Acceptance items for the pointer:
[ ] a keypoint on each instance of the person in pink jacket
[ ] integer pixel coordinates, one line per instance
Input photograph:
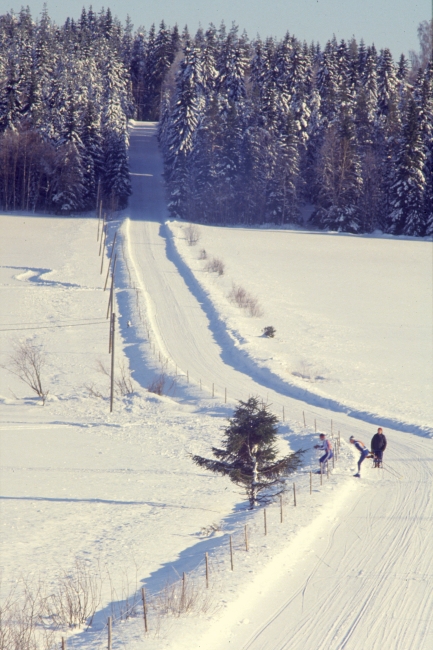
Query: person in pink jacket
(326, 445)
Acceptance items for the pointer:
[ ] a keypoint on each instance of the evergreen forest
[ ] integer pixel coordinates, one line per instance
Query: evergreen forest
(251, 131)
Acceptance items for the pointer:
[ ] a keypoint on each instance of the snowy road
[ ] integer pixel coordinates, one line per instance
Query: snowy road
(367, 579)
(367, 582)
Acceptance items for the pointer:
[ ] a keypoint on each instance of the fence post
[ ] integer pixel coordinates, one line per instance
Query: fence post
(187, 376)
(103, 251)
(311, 482)
(206, 557)
(225, 395)
(113, 328)
(321, 473)
(111, 259)
(283, 415)
(63, 643)
(294, 494)
(327, 470)
(281, 508)
(109, 633)
(246, 537)
(143, 598)
(182, 601)
(110, 300)
(303, 414)
(102, 237)
(231, 552)
(264, 521)
(315, 426)
(99, 219)
(213, 390)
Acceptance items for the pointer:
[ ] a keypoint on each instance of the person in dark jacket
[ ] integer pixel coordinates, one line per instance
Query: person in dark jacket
(378, 446)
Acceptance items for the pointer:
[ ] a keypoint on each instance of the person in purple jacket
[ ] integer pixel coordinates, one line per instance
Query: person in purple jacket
(326, 445)
(364, 453)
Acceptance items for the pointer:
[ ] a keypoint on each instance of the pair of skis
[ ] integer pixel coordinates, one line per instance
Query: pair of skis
(387, 468)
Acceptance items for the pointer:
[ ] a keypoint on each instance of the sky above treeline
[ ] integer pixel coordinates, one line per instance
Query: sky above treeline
(386, 23)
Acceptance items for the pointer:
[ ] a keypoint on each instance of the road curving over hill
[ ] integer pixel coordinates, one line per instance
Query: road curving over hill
(364, 580)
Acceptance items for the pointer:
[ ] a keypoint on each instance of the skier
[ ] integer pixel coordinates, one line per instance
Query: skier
(364, 453)
(327, 448)
(378, 446)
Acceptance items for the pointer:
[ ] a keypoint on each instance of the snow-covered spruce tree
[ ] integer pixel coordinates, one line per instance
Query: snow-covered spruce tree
(340, 179)
(116, 185)
(408, 187)
(249, 456)
(285, 187)
(259, 156)
(69, 186)
(423, 95)
(188, 108)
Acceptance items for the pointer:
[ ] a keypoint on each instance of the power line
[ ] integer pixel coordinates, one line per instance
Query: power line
(44, 327)
(72, 320)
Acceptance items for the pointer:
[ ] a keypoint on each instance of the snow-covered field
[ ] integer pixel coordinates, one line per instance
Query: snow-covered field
(350, 566)
(353, 315)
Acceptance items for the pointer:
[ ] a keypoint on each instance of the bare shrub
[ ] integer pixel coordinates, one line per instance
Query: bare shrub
(239, 296)
(254, 308)
(206, 531)
(123, 380)
(27, 362)
(215, 265)
(244, 300)
(202, 255)
(162, 385)
(123, 605)
(76, 597)
(157, 385)
(309, 372)
(192, 234)
(183, 597)
(94, 390)
(22, 625)
(102, 368)
(269, 331)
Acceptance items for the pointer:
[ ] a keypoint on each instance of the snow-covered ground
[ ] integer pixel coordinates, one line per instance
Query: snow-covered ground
(351, 565)
(353, 315)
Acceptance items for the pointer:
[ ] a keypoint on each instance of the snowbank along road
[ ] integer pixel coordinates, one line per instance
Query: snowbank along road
(367, 581)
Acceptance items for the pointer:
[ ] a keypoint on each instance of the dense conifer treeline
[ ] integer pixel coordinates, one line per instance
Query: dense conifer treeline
(65, 99)
(253, 131)
(250, 131)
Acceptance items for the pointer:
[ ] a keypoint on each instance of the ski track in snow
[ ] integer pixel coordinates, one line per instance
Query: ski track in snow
(370, 586)
(350, 568)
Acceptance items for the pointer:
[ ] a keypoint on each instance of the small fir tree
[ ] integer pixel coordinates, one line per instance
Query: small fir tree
(249, 456)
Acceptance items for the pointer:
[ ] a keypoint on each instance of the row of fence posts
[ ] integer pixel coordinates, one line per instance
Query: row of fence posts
(101, 237)
(111, 315)
(206, 555)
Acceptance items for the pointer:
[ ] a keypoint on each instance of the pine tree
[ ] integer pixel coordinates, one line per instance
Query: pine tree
(387, 84)
(70, 185)
(286, 181)
(249, 456)
(408, 186)
(327, 83)
(188, 109)
(340, 177)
